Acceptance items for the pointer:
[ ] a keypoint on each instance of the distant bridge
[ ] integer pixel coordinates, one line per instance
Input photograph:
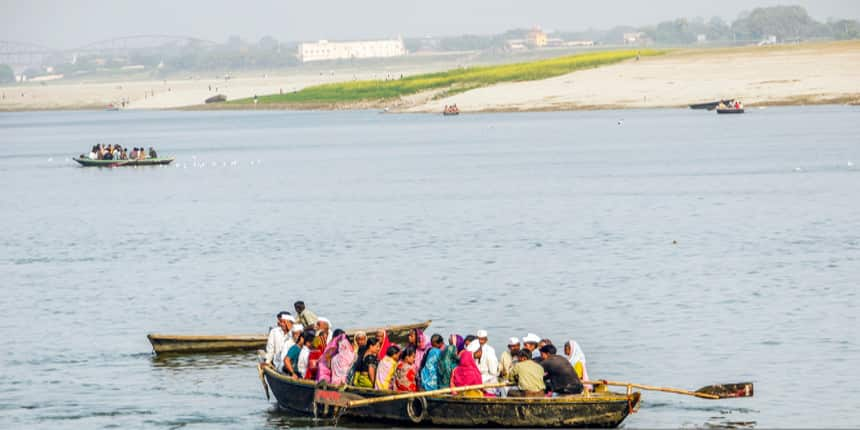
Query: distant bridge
(25, 54)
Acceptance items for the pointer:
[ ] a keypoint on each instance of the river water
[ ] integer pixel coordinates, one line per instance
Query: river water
(680, 248)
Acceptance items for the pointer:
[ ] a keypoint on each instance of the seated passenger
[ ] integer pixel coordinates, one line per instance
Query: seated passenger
(328, 353)
(152, 153)
(305, 355)
(574, 354)
(466, 373)
(528, 375)
(291, 361)
(386, 368)
(449, 359)
(530, 344)
(404, 376)
(429, 369)
(323, 329)
(562, 378)
(365, 366)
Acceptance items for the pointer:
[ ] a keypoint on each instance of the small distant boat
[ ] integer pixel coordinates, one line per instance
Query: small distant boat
(451, 110)
(112, 108)
(86, 162)
(217, 99)
(710, 105)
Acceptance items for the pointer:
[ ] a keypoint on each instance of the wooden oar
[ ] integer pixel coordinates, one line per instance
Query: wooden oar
(352, 400)
(720, 391)
(263, 380)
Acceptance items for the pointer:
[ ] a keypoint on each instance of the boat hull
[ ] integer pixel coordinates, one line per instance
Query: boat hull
(730, 111)
(123, 163)
(183, 344)
(605, 410)
(709, 105)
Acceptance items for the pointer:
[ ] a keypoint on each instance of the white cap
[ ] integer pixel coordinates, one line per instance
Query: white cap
(287, 317)
(514, 341)
(531, 337)
(298, 328)
(325, 320)
(473, 346)
(481, 333)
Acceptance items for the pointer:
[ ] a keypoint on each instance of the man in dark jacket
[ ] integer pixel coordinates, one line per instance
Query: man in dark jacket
(561, 378)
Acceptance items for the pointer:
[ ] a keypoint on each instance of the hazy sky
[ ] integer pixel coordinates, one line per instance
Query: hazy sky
(72, 23)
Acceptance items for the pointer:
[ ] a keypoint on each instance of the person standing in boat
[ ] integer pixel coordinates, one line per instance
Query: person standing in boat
(277, 336)
(562, 378)
(418, 340)
(152, 153)
(528, 376)
(449, 359)
(304, 316)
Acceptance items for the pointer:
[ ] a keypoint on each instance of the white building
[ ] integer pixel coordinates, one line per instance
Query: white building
(325, 50)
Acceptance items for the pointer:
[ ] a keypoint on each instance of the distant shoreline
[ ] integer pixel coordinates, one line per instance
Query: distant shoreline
(786, 75)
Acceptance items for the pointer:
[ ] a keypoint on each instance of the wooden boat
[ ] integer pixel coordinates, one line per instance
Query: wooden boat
(604, 409)
(86, 162)
(217, 99)
(710, 105)
(730, 111)
(171, 343)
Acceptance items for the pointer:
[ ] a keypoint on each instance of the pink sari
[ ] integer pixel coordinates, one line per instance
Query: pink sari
(324, 369)
(466, 373)
(385, 373)
(341, 363)
(421, 349)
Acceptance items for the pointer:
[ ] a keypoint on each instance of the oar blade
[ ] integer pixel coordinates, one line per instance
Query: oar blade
(335, 398)
(727, 391)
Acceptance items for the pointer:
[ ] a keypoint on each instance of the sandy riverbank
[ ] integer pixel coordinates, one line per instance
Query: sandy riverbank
(797, 74)
(801, 74)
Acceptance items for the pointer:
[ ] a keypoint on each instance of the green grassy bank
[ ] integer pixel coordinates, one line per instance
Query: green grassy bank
(448, 83)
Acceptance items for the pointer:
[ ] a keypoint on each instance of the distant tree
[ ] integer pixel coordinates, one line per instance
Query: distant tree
(783, 22)
(7, 75)
(675, 32)
(845, 29)
(268, 43)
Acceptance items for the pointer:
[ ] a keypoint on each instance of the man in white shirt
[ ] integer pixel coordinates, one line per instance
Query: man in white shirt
(277, 336)
(488, 363)
(289, 341)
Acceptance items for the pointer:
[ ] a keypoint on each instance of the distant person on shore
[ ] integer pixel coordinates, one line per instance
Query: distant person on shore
(277, 335)
(304, 316)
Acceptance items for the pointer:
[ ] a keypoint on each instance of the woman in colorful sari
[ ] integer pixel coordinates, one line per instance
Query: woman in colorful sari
(364, 371)
(574, 354)
(382, 337)
(429, 374)
(421, 344)
(465, 374)
(448, 360)
(404, 376)
(331, 349)
(386, 368)
(342, 360)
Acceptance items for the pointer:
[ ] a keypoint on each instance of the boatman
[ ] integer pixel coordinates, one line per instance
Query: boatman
(304, 316)
(277, 336)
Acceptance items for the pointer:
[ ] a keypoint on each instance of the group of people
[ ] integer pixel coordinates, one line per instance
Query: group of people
(451, 109)
(117, 152)
(305, 346)
(733, 104)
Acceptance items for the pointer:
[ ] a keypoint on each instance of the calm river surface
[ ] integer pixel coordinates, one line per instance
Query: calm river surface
(680, 248)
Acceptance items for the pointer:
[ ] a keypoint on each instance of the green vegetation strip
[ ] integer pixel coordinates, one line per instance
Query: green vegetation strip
(450, 82)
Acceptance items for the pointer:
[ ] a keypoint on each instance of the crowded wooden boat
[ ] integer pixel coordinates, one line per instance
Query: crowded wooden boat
(367, 375)
(116, 156)
(451, 110)
(733, 107)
